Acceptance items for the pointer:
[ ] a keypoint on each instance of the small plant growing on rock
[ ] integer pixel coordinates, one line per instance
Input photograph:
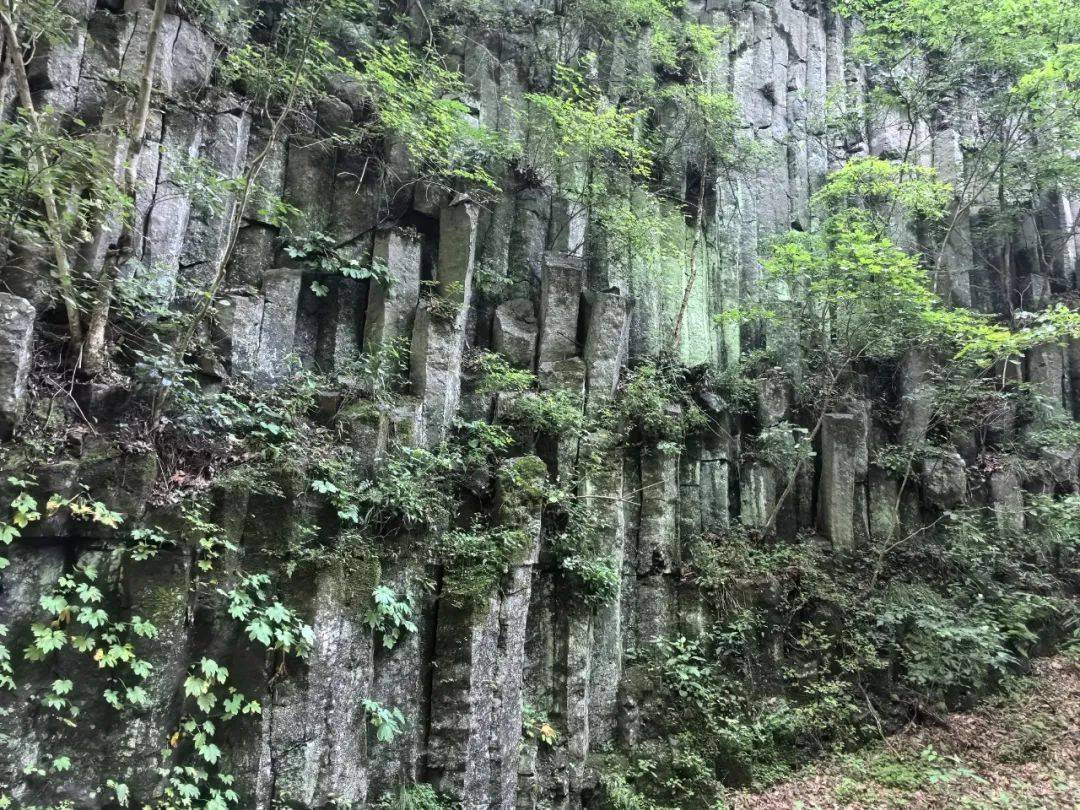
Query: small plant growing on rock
(388, 723)
(390, 616)
(536, 726)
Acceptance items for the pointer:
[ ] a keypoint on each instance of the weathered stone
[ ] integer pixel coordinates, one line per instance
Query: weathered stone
(1046, 375)
(774, 400)
(438, 339)
(339, 333)
(223, 146)
(568, 376)
(398, 682)
(601, 491)
(240, 320)
(17, 318)
(915, 397)
(560, 298)
(944, 479)
(253, 256)
(715, 473)
(658, 536)
(168, 214)
(314, 727)
(606, 345)
(1007, 501)
(281, 292)
(459, 735)
(390, 311)
(883, 516)
(457, 251)
(515, 332)
(309, 180)
(435, 372)
(840, 440)
(757, 494)
(567, 226)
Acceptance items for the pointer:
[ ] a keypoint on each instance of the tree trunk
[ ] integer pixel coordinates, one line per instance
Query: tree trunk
(39, 163)
(94, 344)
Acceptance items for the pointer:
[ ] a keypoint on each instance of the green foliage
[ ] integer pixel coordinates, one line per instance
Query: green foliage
(596, 580)
(7, 673)
(536, 726)
(556, 412)
(476, 559)
(147, 542)
(853, 297)
(581, 127)
(940, 648)
(24, 511)
(783, 446)
(266, 620)
(497, 376)
(408, 488)
(575, 543)
(415, 797)
(1018, 56)
(910, 773)
(654, 399)
(880, 188)
(211, 541)
(323, 254)
(297, 59)
(69, 159)
(79, 620)
(213, 702)
(416, 98)
(810, 654)
(390, 616)
(388, 723)
(379, 372)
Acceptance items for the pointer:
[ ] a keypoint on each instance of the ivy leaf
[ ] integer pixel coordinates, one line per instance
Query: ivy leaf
(259, 630)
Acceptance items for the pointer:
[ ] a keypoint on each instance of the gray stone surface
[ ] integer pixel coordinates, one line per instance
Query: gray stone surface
(1007, 501)
(515, 331)
(390, 310)
(17, 318)
(560, 298)
(1046, 375)
(944, 479)
(840, 439)
(606, 345)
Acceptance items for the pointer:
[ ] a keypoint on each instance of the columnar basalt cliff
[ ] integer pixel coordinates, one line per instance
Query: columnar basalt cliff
(400, 594)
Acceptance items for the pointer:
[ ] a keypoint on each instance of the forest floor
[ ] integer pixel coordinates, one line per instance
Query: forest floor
(1020, 751)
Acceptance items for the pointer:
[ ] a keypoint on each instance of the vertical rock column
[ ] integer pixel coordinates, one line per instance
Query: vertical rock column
(475, 726)
(399, 674)
(840, 438)
(658, 542)
(16, 342)
(438, 338)
(560, 366)
(606, 345)
(390, 309)
(259, 331)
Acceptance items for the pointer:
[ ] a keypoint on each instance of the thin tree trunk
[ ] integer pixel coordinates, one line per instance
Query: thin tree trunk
(94, 345)
(39, 164)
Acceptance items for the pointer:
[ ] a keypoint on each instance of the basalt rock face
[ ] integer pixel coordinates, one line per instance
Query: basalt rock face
(461, 680)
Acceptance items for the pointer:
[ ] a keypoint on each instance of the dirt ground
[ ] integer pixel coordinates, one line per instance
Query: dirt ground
(1021, 752)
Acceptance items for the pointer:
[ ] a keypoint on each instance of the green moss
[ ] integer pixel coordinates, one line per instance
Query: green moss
(362, 412)
(165, 605)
